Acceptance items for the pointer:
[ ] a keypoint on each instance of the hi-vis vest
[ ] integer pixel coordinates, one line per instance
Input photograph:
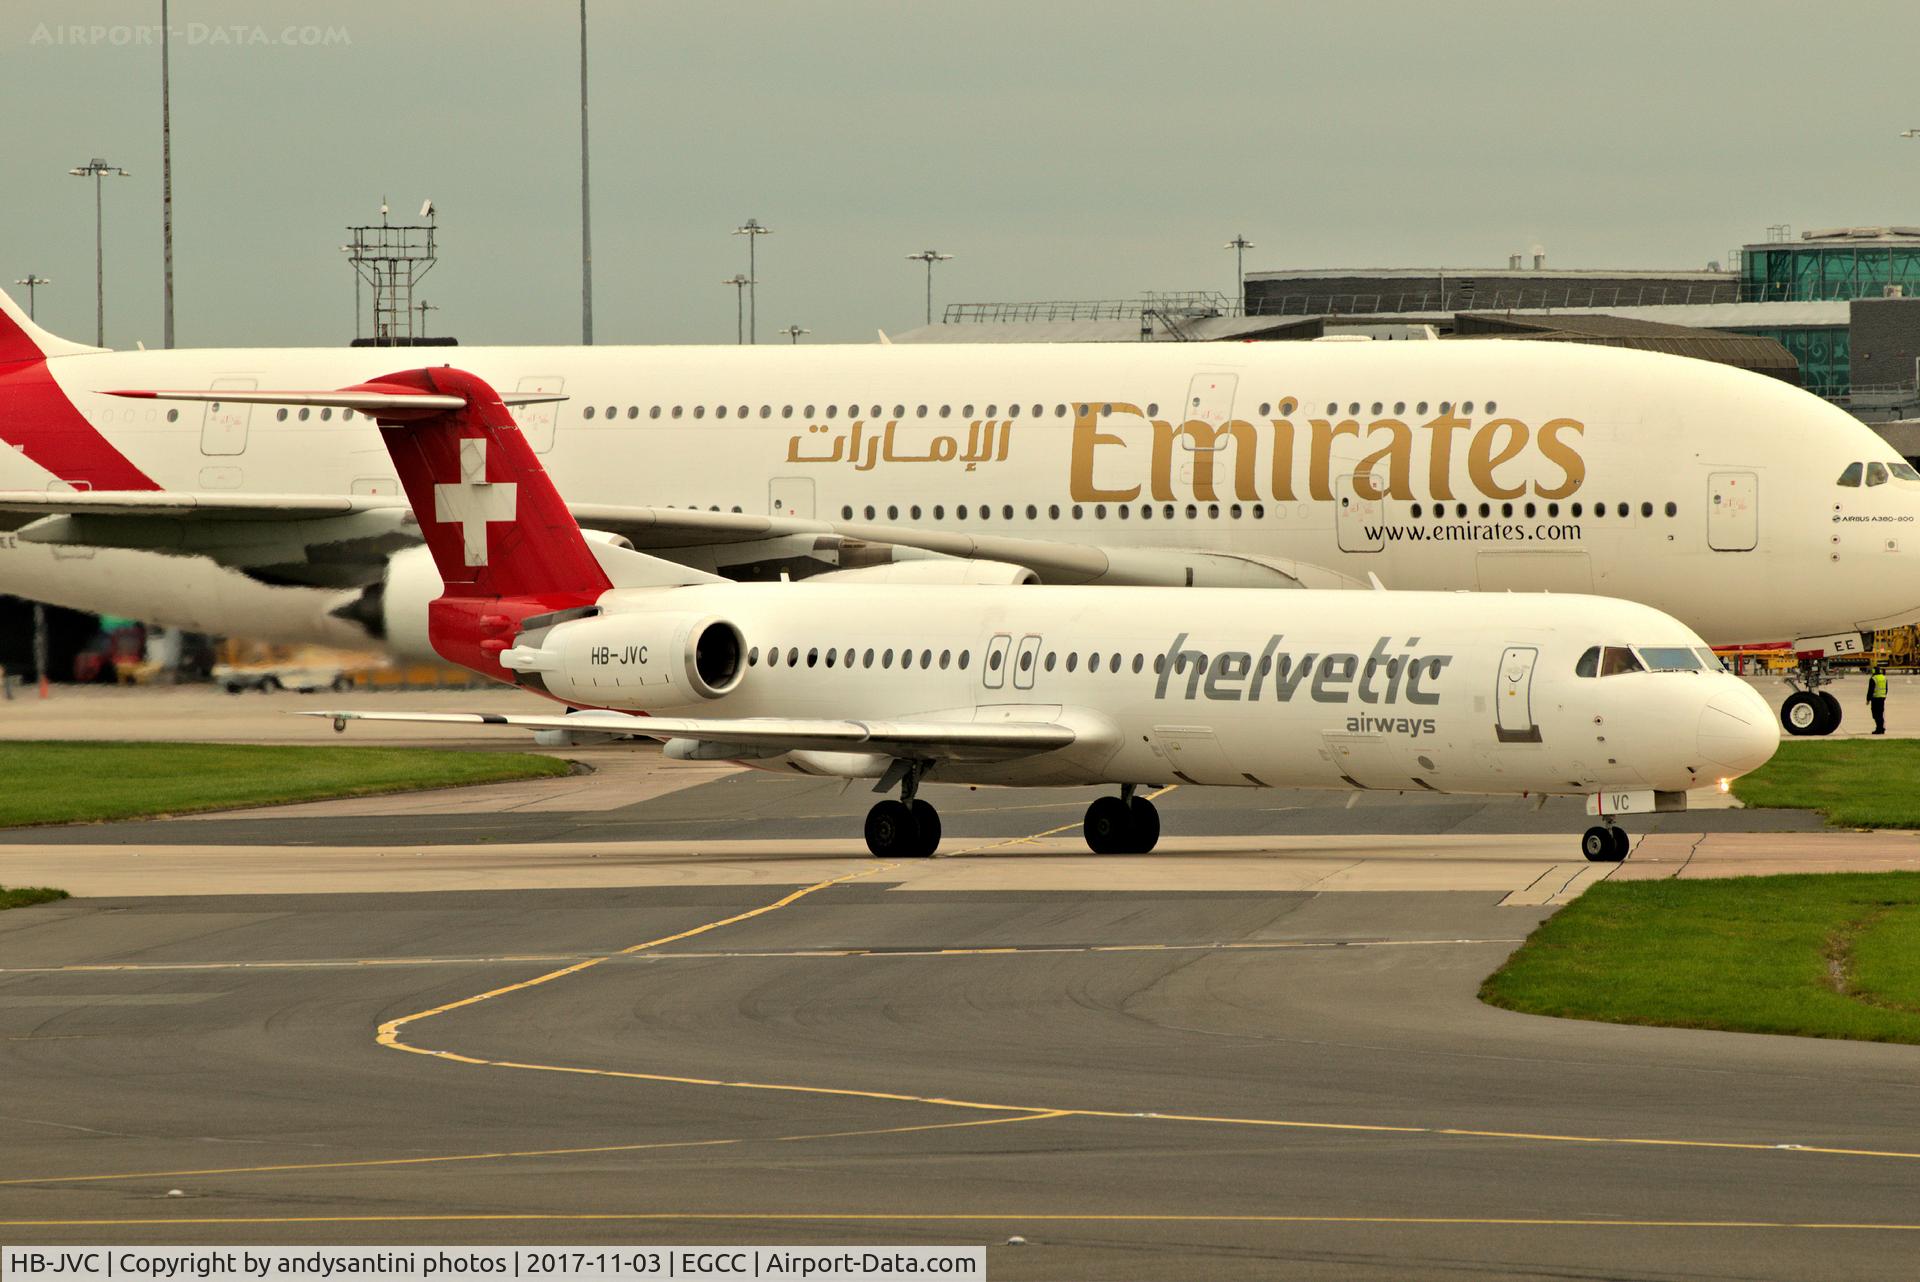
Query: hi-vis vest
(1877, 686)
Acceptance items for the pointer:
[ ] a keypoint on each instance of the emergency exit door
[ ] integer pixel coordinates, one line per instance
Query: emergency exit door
(1356, 518)
(1209, 401)
(537, 422)
(993, 666)
(1513, 696)
(1733, 511)
(790, 496)
(224, 429)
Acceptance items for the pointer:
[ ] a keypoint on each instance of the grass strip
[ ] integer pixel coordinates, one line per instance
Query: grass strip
(23, 896)
(72, 782)
(1857, 783)
(1811, 955)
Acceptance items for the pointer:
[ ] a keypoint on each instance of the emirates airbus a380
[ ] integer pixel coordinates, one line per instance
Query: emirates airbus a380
(1753, 511)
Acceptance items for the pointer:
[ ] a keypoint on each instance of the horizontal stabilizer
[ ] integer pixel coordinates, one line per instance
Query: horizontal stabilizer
(915, 740)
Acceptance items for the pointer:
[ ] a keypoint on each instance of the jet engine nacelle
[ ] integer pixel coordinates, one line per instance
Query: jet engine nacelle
(394, 610)
(640, 661)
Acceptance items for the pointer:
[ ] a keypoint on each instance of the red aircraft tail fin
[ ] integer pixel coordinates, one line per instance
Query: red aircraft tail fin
(504, 542)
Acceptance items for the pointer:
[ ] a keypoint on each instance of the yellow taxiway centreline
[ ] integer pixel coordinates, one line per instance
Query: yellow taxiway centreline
(363, 1163)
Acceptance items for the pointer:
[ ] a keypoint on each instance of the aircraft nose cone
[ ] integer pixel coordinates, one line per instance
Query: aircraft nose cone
(1737, 729)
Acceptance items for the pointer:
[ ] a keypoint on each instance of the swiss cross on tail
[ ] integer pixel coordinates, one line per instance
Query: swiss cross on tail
(473, 502)
(504, 543)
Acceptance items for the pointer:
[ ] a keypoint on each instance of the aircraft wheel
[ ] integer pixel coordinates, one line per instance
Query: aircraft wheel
(1803, 714)
(927, 823)
(1600, 846)
(1106, 827)
(1622, 844)
(1834, 715)
(891, 830)
(1143, 824)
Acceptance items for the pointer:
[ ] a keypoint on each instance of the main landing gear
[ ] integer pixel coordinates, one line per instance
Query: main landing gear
(1809, 709)
(1122, 825)
(1606, 842)
(1810, 712)
(908, 828)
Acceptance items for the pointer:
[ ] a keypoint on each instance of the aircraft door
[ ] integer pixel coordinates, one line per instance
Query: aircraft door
(1357, 518)
(1733, 511)
(790, 496)
(1025, 662)
(537, 422)
(1513, 696)
(1210, 401)
(993, 665)
(224, 429)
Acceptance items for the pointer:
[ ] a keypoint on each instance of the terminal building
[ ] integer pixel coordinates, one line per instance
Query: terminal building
(1836, 310)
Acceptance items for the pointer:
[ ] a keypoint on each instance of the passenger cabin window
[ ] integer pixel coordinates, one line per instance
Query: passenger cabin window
(1616, 659)
(1877, 474)
(1589, 664)
(1851, 477)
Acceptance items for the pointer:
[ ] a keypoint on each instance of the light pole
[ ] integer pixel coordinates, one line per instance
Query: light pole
(32, 282)
(753, 231)
(740, 286)
(929, 257)
(97, 169)
(586, 218)
(423, 307)
(166, 185)
(793, 333)
(1240, 245)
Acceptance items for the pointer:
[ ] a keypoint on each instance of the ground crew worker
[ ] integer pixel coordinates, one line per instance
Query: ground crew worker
(1877, 698)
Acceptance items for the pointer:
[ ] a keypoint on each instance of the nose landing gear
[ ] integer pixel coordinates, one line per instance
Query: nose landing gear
(908, 828)
(1606, 842)
(1122, 825)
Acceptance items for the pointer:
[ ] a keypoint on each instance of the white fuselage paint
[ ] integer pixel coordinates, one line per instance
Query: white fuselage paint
(1401, 690)
(1762, 547)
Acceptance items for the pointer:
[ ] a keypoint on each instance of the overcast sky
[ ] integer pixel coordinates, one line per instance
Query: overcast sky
(1057, 150)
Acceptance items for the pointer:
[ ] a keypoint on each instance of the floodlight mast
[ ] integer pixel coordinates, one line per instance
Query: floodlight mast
(741, 284)
(929, 257)
(97, 169)
(586, 215)
(1240, 245)
(753, 231)
(31, 282)
(166, 184)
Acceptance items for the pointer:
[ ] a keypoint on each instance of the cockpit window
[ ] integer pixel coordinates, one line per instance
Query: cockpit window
(1589, 664)
(1904, 472)
(1670, 658)
(1616, 659)
(1850, 477)
(1876, 474)
(1713, 662)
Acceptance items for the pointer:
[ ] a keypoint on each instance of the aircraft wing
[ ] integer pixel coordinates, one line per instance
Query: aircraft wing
(914, 740)
(345, 540)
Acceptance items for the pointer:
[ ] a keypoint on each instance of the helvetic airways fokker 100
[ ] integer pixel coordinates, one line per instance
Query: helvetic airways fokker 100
(1751, 510)
(1015, 685)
